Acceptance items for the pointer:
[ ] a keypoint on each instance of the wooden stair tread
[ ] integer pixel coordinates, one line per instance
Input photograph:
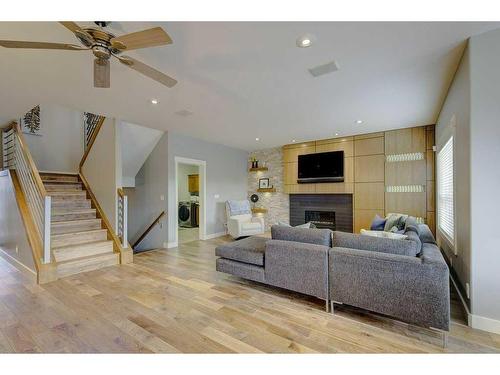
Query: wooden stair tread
(72, 222)
(86, 264)
(85, 245)
(78, 237)
(74, 211)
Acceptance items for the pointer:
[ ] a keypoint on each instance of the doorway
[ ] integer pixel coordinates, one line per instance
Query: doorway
(190, 199)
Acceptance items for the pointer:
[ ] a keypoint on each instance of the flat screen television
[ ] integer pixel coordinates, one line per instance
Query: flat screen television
(321, 167)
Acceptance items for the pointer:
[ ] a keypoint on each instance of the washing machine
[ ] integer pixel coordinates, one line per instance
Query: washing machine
(185, 214)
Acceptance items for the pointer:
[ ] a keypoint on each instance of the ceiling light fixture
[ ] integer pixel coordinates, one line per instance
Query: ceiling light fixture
(257, 139)
(154, 101)
(304, 41)
(359, 121)
(293, 141)
(336, 133)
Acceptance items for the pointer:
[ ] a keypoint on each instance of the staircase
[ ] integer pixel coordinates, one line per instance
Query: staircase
(79, 242)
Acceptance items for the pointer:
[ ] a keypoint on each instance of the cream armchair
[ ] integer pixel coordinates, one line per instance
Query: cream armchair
(240, 221)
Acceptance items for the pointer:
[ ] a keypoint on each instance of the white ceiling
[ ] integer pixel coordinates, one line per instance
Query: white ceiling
(137, 142)
(247, 80)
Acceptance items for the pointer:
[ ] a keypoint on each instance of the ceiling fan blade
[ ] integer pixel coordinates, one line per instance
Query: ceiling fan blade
(148, 71)
(75, 29)
(39, 45)
(71, 26)
(141, 39)
(101, 73)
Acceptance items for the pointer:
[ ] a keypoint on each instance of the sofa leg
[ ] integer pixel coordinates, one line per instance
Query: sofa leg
(331, 308)
(327, 305)
(445, 339)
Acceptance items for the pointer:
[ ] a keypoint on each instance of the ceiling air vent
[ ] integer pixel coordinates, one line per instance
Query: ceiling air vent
(184, 113)
(324, 69)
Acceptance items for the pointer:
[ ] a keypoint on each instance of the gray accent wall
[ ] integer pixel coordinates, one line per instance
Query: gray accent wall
(144, 200)
(485, 175)
(226, 176)
(454, 120)
(471, 113)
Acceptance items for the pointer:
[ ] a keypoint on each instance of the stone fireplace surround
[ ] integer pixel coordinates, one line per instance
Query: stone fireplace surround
(341, 204)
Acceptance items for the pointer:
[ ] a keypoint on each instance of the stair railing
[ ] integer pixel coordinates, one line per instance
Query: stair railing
(122, 224)
(146, 232)
(17, 157)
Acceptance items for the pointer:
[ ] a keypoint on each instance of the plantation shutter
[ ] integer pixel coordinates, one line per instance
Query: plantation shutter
(446, 217)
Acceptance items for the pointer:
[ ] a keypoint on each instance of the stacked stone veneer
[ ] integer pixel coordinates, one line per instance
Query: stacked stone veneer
(277, 204)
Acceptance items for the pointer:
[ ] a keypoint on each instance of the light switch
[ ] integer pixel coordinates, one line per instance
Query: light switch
(162, 197)
(216, 196)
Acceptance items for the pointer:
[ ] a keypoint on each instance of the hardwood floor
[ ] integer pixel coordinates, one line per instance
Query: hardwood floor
(173, 301)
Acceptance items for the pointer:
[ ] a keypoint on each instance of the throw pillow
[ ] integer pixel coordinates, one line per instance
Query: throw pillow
(378, 223)
(377, 233)
(395, 220)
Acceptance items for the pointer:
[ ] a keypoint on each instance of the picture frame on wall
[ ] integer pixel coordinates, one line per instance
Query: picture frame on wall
(264, 183)
(30, 122)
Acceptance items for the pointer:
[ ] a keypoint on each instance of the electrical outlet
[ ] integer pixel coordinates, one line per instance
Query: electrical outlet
(467, 290)
(17, 249)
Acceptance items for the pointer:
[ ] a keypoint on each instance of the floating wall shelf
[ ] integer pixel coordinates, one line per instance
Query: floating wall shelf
(268, 190)
(260, 169)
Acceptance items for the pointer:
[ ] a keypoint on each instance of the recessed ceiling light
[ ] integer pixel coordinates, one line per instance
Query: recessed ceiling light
(304, 41)
(293, 141)
(257, 139)
(336, 133)
(154, 101)
(359, 121)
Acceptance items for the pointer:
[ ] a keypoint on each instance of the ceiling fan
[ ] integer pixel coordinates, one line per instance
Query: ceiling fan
(104, 45)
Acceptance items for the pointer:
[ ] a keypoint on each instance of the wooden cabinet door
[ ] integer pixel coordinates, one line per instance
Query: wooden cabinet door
(193, 183)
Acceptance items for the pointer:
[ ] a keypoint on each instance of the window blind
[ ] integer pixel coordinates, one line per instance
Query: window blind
(446, 217)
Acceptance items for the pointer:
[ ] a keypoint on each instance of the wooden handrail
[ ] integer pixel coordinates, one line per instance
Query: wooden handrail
(25, 150)
(146, 232)
(91, 143)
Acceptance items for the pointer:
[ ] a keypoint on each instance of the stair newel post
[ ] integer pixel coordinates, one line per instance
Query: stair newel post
(46, 234)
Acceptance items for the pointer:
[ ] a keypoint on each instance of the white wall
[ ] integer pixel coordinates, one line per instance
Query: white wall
(183, 172)
(12, 232)
(60, 147)
(226, 178)
(485, 174)
(102, 169)
(454, 120)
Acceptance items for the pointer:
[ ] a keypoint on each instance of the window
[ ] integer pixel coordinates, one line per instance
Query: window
(446, 217)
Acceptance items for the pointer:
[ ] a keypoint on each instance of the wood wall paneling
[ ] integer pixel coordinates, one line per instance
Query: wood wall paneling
(403, 141)
(405, 173)
(346, 146)
(369, 146)
(369, 195)
(369, 135)
(407, 203)
(369, 168)
(431, 198)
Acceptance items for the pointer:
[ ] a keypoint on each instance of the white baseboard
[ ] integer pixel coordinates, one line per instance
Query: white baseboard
(172, 244)
(214, 235)
(485, 324)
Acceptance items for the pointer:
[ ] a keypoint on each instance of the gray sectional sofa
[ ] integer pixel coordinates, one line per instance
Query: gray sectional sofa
(406, 279)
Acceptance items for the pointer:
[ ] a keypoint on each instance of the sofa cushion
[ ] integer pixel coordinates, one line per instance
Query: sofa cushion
(381, 233)
(383, 245)
(304, 235)
(248, 250)
(425, 234)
